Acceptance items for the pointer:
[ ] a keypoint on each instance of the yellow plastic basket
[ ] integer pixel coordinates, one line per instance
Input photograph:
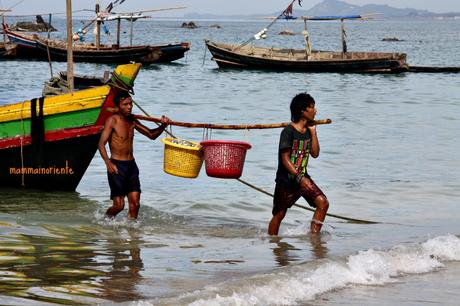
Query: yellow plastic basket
(182, 157)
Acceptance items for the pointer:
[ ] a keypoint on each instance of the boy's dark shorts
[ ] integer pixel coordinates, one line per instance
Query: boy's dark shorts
(286, 195)
(126, 180)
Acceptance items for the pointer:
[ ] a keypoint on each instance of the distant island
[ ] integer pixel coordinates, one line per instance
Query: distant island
(336, 7)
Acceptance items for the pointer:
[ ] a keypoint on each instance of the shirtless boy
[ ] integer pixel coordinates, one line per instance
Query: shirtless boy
(122, 171)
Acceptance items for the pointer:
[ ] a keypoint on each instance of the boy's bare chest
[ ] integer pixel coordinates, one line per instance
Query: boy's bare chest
(124, 130)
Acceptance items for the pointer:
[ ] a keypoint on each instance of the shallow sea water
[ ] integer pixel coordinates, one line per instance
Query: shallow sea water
(390, 155)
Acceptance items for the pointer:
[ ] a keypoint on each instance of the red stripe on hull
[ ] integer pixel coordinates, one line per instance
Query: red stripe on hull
(51, 136)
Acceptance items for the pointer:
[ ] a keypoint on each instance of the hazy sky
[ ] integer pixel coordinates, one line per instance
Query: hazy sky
(220, 7)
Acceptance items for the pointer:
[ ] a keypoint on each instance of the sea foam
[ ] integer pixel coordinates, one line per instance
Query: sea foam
(302, 283)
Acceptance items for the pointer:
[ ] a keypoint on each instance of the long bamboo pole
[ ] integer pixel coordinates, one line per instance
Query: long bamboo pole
(69, 46)
(228, 126)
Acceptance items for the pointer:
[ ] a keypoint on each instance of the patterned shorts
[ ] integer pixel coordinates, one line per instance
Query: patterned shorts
(286, 195)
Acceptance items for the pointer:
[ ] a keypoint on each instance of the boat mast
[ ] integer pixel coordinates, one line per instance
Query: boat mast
(50, 16)
(69, 45)
(118, 31)
(344, 36)
(306, 36)
(131, 31)
(98, 27)
(3, 11)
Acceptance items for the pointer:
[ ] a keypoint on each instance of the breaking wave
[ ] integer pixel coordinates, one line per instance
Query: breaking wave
(303, 283)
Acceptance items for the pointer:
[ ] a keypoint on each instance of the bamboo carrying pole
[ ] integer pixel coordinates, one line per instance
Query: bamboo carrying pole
(228, 126)
(325, 121)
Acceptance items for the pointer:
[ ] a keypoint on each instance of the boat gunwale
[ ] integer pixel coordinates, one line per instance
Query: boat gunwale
(227, 48)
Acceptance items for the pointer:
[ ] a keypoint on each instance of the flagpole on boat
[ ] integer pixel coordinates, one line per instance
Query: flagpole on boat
(69, 45)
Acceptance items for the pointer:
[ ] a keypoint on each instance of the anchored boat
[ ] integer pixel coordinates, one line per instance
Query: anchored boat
(32, 46)
(248, 56)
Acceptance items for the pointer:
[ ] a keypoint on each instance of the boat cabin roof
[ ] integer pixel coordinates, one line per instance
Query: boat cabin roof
(338, 17)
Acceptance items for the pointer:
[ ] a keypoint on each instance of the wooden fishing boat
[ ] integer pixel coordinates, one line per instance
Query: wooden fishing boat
(39, 48)
(59, 85)
(250, 57)
(48, 143)
(247, 56)
(145, 54)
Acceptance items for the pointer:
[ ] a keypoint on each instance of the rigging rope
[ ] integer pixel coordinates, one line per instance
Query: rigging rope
(351, 220)
(262, 33)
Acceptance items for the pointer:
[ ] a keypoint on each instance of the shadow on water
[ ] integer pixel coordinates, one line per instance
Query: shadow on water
(287, 254)
(26, 200)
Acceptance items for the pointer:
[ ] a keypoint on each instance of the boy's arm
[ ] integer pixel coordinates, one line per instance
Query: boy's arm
(286, 159)
(152, 133)
(108, 126)
(314, 151)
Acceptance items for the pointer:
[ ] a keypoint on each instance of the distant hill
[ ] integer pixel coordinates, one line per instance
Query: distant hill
(336, 7)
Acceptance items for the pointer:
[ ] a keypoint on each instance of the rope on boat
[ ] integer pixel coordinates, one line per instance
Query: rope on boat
(117, 82)
(143, 110)
(351, 220)
(261, 33)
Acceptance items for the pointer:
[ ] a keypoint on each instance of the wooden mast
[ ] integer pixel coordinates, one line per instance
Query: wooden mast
(131, 31)
(2, 12)
(306, 36)
(69, 45)
(50, 16)
(118, 31)
(344, 36)
(98, 27)
(3, 22)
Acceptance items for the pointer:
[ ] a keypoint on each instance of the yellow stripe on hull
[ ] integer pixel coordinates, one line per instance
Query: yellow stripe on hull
(80, 100)
(77, 101)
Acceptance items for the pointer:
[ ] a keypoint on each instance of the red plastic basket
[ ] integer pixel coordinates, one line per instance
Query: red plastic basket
(224, 158)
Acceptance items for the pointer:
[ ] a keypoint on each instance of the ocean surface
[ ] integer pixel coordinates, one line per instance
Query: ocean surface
(391, 156)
